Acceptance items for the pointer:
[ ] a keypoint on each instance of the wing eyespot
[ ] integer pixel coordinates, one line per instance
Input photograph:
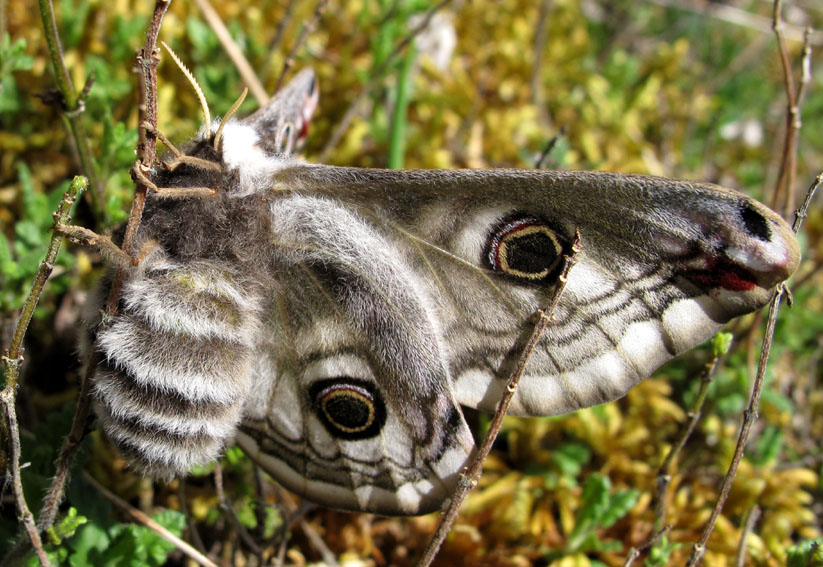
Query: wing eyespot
(525, 248)
(349, 409)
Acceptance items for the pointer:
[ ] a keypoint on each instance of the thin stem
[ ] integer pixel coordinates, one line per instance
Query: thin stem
(227, 508)
(147, 521)
(7, 398)
(307, 28)
(664, 474)
(235, 54)
(469, 477)
(13, 359)
(72, 107)
(749, 521)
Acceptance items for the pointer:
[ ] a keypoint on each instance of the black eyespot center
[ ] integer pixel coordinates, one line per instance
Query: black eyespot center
(754, 222)
(526, 248)
(349, 408)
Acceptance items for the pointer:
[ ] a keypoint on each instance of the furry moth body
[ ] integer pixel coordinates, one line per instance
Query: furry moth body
(334, 320)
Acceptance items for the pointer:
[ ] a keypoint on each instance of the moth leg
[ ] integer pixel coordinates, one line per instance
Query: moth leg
(179, 157)
(107, 247)
(138, 175)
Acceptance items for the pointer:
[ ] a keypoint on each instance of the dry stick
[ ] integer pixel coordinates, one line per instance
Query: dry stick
(73, 106)
(146, 520)
(470, 475)
(635, 552)
(235, 54)
(751, 413)
(748, 525)
(307, 28)
(664, 474)
(225, 505)
(541, 160)
(146, 150)
(274, 46)
(24, 515)
(194, 534)
(376, 77)
(13, 359)
(794, 96)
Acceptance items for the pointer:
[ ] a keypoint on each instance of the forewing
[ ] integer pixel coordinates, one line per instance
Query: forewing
(664, 264)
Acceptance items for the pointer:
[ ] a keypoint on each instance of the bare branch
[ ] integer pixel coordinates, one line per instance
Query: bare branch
(469, 477)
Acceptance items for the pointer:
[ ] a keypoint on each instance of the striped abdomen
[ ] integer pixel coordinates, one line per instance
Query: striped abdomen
(175, 364)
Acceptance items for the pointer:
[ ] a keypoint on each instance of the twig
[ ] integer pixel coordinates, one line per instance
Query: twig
(635, 552)
(194, 534)
(376, 77)
(319, 545)
(737, 16)
(72, 107)
(235, 54)
(146, 520)
(13, 359)
(469, 477)
(541, 160)
(540, 36)
(225, 505)
(748, 525)
(146, 149)
(664, 474)
(307, 28)
(751, 413)
(794, 96)
(7, 398)
(274, 46)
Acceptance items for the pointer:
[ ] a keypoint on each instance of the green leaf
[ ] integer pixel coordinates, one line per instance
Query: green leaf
(721, 343)
(806, 554)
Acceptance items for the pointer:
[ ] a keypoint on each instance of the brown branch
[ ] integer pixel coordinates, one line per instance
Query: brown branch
(376, 77)
(7, 398)
(12, 361)
(235, 54)
(146, 150)
(751, 413)
(469, 477)
(748, 525)
(664, 474)
(794, 98)
(307, 28)
(147, 521)
(227, 509)
(274, 45)
(635, 552)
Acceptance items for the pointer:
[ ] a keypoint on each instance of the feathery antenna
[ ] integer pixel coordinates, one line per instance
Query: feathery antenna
(204, 105)
(218, 137)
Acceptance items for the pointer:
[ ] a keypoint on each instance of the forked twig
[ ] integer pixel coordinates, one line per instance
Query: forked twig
(751, 413)
(469, 477)
(147, 60)
(11, 362)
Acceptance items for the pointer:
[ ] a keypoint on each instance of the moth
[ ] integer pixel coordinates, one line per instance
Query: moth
(332, 321)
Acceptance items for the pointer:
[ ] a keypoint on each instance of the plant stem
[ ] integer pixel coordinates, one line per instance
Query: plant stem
(73, 107)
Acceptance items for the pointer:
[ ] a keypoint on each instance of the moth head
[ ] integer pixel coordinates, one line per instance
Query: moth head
(241, 156)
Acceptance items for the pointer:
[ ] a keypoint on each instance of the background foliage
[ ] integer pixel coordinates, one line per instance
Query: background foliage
(646, 87)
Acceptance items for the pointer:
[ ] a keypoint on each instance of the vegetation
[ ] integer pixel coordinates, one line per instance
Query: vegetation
(634, 87)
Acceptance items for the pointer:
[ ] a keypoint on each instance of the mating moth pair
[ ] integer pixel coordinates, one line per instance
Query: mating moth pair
(333, 321)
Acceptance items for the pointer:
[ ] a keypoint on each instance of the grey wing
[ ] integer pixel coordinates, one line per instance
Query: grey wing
(664, 265)
(353, 405)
